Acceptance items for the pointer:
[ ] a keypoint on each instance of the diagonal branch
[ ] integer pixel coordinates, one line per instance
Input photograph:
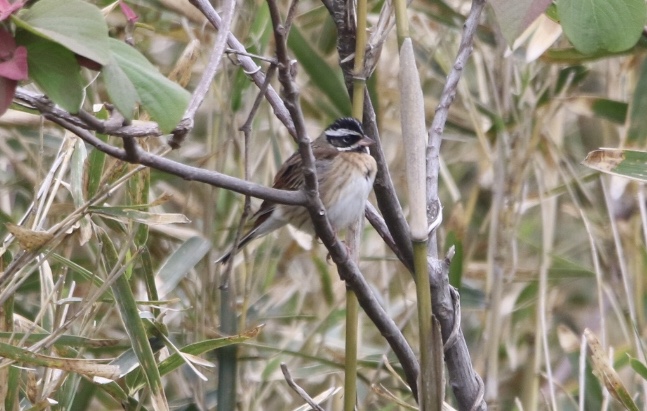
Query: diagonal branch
(113, 126)
(249, 66)
(219, 45)
(139, 156)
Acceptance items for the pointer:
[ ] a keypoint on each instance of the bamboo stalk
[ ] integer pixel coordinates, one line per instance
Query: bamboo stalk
(354, 233)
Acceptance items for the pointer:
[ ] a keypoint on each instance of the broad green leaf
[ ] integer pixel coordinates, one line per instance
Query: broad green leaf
(55, 69)
(320, 73)
(77, 25)
(514, 16)
(164, 100)
(625, 163)
(637, 108)
(180, 262)
(602, 25)
(13, 388)
(120, 89)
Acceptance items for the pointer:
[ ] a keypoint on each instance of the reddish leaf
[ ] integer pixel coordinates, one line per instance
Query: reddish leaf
(13, 61)
(128, 12)
(7, 91)
(6, 8)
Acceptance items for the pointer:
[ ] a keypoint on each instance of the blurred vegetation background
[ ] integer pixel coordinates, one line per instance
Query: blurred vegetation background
(545, 246)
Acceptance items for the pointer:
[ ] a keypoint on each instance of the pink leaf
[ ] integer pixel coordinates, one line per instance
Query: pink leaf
(13, 61)
(7, 91)
(6, 8)
(128, 12)
(16, 68)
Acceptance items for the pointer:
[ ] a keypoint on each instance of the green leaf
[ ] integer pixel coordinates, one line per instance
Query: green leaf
(75, 24)
(133, 325)
(625, 163)
(180, 262)
(591, 106)
(637, 109)
(164, 100)
(638, 366)
(321, 74)
(594, 25)
(55, 69)
(456, 267)
(120, 89)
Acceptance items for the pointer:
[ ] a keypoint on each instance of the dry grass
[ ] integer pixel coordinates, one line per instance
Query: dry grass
(546, 248)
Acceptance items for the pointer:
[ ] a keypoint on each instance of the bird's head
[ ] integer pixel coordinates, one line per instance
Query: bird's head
(346, 134)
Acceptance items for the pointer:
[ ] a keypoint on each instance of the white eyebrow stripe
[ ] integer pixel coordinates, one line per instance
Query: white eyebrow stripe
(342, 132)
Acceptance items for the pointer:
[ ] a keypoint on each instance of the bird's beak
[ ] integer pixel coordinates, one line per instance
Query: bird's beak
(365, 141)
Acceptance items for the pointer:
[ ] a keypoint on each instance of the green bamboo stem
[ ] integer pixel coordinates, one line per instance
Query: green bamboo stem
(401, 21)
(352, 305)
(350, 363)
(359, 77)
(428, 393)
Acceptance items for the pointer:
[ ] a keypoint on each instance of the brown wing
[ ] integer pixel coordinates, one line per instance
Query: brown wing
(290, 177)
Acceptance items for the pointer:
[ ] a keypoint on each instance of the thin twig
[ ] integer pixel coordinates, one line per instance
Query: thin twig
(378, 223)
(446, 99)
(302, 393)
(249, 66)
(219, 45)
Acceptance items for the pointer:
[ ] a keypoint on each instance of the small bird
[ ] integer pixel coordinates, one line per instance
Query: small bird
(345, 172)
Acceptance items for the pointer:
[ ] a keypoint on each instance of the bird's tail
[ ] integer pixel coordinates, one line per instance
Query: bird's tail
(224, 259)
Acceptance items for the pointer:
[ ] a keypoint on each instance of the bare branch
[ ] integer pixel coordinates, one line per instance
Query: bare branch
(182, 170)
(113, 126)
(302, 393)
(466, 383)
(251, 68)
(446, 99)
(381, 228)
(219, 46)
